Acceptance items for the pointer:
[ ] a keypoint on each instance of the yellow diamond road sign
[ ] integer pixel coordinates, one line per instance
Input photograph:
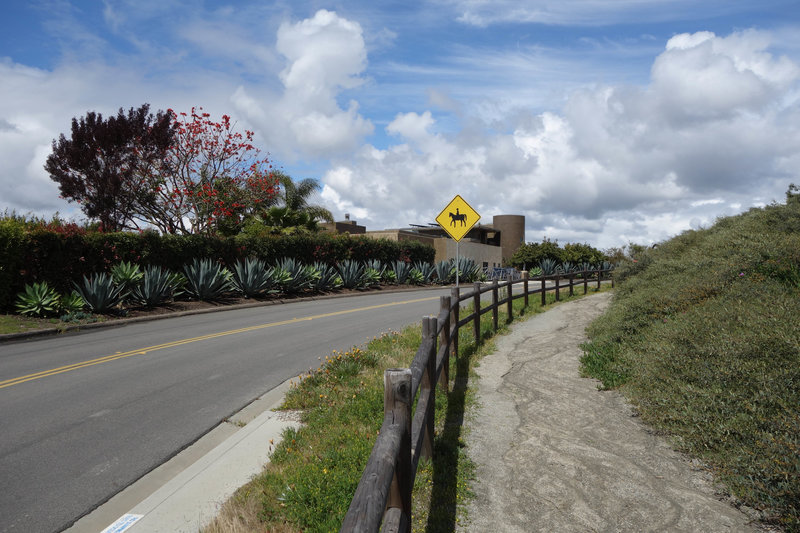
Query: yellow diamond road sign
(457, 218)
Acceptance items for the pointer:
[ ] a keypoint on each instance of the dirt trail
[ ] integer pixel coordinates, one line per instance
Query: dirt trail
(556, 454)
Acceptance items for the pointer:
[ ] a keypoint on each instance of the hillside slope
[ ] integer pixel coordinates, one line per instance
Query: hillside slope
(704, 337)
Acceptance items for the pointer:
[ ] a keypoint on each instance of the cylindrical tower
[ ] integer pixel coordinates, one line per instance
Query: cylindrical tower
(512, 233)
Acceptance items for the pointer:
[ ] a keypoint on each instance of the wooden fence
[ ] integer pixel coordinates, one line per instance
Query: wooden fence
(383, 496)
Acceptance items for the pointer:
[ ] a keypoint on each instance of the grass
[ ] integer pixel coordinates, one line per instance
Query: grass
(314, 471)
(22, 324)
(703, 336)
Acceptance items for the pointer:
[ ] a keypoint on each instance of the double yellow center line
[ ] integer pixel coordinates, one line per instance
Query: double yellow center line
(148, 349)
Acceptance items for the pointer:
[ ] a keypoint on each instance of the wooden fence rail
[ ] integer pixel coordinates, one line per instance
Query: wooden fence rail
(383, 498)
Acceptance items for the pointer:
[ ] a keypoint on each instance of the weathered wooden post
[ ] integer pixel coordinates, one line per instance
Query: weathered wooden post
(585, 280)
(525, 276)
(599, 277)
(397, 403)
(444, 340)
(544, 290)
(611, 275)
(476, 304)
(455, 296)
(494, 304)
(428, 384)
(384, 492)
(510, 304)
(571, 283)
(558, 288)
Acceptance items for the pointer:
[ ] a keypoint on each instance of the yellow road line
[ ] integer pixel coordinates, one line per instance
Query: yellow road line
(144, 351)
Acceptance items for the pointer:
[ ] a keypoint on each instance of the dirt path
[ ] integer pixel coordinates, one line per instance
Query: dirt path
(556, 454)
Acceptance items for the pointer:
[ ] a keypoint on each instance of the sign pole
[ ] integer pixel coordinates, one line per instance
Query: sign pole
(457, 264)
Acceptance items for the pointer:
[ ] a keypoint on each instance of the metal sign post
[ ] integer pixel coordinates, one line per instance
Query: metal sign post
(457, 219)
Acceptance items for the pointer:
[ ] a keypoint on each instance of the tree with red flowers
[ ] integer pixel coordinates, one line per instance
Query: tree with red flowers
(212, 179)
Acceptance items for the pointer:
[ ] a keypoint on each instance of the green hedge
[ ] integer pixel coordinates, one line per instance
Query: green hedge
(62, 256)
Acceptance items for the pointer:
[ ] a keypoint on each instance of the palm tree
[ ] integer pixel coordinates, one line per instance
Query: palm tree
(296, 194)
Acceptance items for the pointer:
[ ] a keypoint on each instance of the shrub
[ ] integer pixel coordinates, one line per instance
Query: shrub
(158, 286)
(352, 274)
(38, 300)
(329, 278)
(251, 277)
(126, 275)
(207, 280)
(100, 292)
(71, 303)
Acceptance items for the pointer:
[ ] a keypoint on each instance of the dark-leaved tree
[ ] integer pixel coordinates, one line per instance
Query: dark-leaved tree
(109, 165)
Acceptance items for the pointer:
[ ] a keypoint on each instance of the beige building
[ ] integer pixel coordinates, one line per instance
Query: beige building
(489, 245)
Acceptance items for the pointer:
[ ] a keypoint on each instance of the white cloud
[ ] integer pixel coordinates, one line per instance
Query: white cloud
(715, 128)
(325, 55)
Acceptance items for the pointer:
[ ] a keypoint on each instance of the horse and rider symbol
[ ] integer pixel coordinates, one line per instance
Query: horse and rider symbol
(457, 217)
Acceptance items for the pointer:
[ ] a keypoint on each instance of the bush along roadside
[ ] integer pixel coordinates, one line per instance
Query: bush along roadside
(314, 470)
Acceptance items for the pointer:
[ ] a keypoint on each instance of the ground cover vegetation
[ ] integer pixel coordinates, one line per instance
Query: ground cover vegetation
(314, 471)
(702, 336)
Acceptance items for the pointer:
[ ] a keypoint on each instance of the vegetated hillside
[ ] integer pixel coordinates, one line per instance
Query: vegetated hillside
(704, 337)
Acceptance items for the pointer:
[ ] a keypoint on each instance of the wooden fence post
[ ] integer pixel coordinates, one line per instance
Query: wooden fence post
(397, 397)
(558, 288)
(571, 283)
(544, 290)
(428, 384)
(525, 286)
(510, 305)
(476, 303)
(599, 277)
(611, 275)
(444, 340)
(494, 304)
(585, 281)
(455, 296)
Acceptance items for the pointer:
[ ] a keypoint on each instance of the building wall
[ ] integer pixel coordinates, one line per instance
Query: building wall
(512, 233)
(483, 254)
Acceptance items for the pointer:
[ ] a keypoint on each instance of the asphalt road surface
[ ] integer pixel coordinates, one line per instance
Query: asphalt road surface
(84, 415)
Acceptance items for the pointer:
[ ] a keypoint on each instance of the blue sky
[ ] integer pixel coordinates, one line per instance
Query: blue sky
(601, 121)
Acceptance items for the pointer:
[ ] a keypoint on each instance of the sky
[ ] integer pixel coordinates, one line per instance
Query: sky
(602, 121)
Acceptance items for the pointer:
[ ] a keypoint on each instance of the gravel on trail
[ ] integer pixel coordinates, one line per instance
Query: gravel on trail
(553, 453)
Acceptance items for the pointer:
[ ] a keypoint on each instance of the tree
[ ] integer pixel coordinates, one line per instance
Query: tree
(530, 254)
(105, 164)
(213, 177)
(293, 213)
(296, 195)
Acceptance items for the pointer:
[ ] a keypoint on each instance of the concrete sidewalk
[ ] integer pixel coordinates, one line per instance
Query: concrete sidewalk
(186, 493)
(555, 454)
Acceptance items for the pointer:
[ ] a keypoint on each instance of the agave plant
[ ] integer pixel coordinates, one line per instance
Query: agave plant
(207, 280)
(126, 275)
(352, 274)
(71, 303)
(303, 277)
(329, 278)
(565, 268)
(156, 287)
(534, 272)
(100, 292)
(389, 276)
(468, 270)
(425, 269)
(445, 272)
(415, 277)
(375, 264)
(548, 266)
(372, 277)
(401, 270)
(39, 299)
(251, 277)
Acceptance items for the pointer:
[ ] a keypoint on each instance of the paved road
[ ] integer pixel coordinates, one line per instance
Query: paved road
(84, 415)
